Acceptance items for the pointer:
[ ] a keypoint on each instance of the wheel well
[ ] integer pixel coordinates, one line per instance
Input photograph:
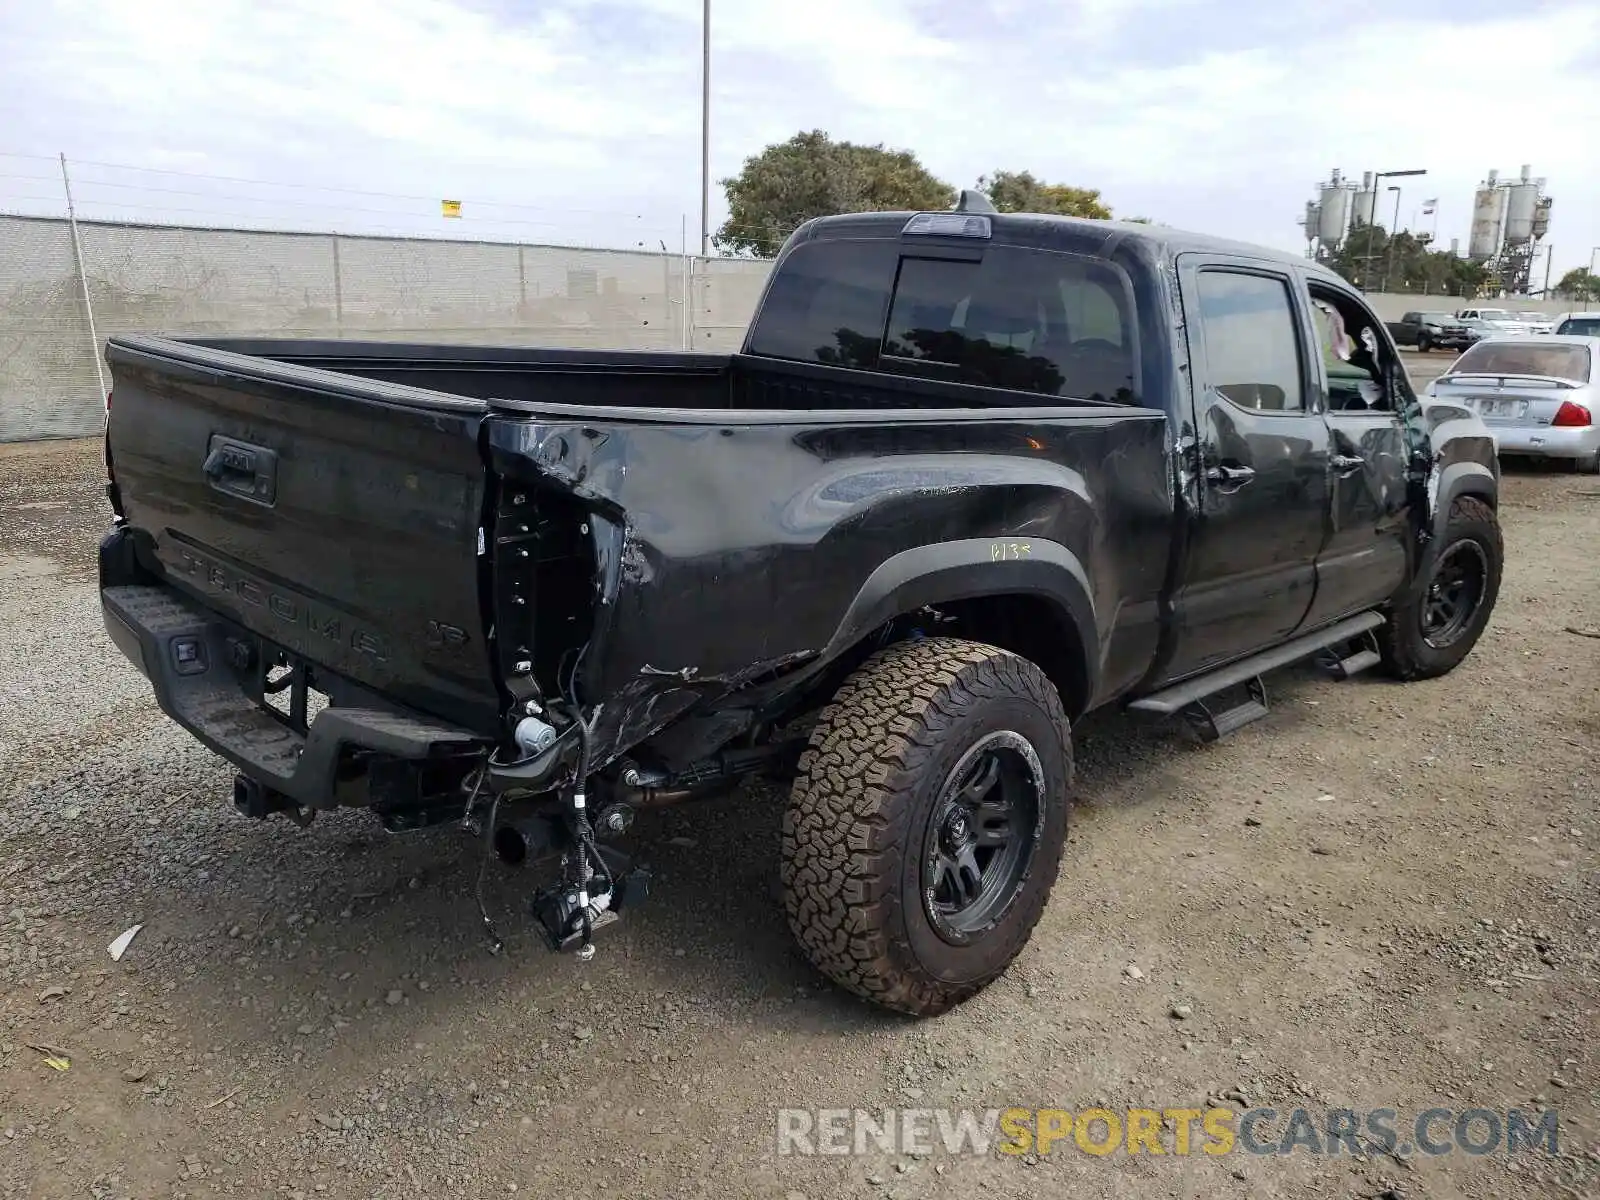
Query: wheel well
(1034, 628)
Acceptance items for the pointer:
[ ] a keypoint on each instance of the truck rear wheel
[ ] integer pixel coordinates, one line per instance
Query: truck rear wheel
(927, 822)
(1429, 636)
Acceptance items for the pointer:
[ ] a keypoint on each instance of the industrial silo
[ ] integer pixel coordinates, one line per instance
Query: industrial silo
(1366, 199)
(1521, 207)
(1488, 212)
(1333, 212)
(1312, 221)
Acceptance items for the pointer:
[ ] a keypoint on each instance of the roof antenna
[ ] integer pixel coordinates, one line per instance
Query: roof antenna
(974, 201)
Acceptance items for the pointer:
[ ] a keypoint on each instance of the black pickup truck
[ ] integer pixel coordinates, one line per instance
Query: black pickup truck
(1425, 330)
(972, 476)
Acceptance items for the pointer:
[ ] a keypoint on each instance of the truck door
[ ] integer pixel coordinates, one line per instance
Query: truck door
(1259, 463)
(1375, 432)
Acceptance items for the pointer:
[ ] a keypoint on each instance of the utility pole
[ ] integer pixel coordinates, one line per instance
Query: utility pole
(83, 278)
(705, 131)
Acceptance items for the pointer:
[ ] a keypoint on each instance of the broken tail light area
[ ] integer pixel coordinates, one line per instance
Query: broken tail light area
(544, 568)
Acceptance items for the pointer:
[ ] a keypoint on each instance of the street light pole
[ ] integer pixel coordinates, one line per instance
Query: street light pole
(1394, 232)
(1377, 179)
(705, 131)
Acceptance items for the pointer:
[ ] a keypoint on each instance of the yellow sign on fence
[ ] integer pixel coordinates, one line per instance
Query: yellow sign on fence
(450, 208)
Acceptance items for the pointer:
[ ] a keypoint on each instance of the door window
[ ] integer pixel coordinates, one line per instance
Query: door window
(1252, 345)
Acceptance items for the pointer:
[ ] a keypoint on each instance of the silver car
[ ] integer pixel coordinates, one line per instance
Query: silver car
(1539, 395)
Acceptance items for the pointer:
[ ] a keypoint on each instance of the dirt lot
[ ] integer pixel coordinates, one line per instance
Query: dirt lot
(1383, 896)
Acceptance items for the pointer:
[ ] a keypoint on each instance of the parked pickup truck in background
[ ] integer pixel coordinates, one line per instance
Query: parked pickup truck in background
(972, 476)
(1425, 330)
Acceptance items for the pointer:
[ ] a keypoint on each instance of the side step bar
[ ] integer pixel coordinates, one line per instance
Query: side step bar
(1360, 656)
(1186, 697)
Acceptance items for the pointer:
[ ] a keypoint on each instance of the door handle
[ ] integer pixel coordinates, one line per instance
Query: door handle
(1346, 463)
(1229, 478)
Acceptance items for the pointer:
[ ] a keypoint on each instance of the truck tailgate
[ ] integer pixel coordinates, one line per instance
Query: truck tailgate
(337, 517)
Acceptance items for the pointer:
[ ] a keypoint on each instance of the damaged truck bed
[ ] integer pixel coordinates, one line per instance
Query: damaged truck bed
(971, 476)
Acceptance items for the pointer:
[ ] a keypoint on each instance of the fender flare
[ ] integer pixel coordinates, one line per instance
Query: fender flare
(970, 569)
(1460, 479)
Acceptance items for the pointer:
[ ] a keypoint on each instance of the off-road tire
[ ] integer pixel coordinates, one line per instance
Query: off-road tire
(878, 761)
(1407, 654)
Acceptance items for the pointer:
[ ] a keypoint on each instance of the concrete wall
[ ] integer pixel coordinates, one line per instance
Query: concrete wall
(144, 278)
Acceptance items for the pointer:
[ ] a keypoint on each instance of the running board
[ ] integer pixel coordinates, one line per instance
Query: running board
(1181, 695)
(1341, 663)
(1209, 726)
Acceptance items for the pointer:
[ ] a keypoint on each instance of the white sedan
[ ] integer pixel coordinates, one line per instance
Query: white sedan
(1539, 395)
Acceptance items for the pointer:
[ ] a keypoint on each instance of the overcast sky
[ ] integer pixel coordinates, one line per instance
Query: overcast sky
(582, 117)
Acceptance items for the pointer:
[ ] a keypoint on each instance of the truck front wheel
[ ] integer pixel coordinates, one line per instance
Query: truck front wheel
(1430, 635)
(927, 822)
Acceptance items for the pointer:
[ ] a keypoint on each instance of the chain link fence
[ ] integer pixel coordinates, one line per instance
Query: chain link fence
(206, 281)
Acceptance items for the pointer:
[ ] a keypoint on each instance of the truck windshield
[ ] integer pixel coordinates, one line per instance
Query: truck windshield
(1525, 358)
(1021, 318)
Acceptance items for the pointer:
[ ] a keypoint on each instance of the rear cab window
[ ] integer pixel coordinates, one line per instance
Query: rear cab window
(1017, 318)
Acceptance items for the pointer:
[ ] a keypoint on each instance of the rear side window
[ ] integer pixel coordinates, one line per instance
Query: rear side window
(1525, 358)
(827, 304)
(1252, 349)
(1028, 320)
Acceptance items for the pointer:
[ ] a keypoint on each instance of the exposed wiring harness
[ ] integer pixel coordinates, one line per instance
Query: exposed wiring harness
(496, 942)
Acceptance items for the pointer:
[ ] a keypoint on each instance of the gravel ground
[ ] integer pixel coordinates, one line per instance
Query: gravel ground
(1381, 896)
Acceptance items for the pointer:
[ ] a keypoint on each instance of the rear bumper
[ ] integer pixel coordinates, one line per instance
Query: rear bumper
(189, 654)
(1547, 441)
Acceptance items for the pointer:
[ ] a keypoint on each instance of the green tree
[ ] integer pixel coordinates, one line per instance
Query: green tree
(1579, 284)
(1374, 261)
(1019, 191)
(811, 175)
